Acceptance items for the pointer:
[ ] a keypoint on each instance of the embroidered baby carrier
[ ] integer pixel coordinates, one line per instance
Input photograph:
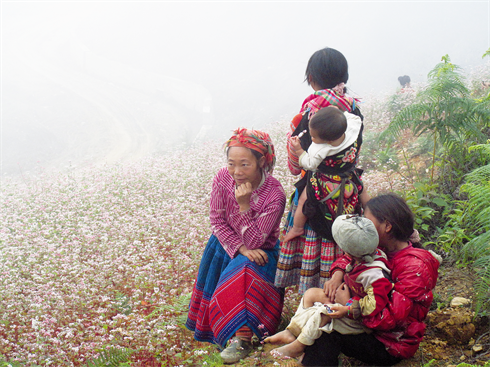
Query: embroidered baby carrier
(332, 189)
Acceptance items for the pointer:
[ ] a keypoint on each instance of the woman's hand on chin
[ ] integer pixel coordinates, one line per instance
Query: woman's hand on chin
(242, 195)
(257, 256)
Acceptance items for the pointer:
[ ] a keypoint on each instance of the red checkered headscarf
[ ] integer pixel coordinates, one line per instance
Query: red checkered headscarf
(256, 140)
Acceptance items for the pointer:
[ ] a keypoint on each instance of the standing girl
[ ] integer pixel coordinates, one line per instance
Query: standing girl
(305, 260)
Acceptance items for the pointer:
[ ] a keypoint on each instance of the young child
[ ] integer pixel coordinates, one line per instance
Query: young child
(367, 278)
(331, 131)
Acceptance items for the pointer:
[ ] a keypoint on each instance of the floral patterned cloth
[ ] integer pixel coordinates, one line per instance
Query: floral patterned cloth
(335, 183)
(323, 183)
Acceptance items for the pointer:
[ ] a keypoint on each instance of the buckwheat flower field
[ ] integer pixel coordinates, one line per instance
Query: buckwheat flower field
(103, 258)
(99, 257)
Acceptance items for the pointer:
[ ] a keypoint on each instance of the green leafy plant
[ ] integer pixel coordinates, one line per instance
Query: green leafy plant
(123, 303)
(428, 205)
(5, 363)
(487, 364)
(113, 357)
(454, 235)
(430, 363)
(206, 356)
(445, 111)
(388, 157)
(477, 249)
(179, 309)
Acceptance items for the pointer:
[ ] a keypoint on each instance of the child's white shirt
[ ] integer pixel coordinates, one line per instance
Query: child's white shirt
(316, 153)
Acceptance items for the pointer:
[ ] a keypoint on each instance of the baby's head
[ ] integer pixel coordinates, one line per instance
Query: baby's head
(327, 125)
(356, 236)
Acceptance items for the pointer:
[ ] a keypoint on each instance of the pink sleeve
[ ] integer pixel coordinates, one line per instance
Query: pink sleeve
(247, 228)
(254, 228)
(221, 229)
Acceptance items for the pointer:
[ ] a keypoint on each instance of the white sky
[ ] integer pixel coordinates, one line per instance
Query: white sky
(249, 56)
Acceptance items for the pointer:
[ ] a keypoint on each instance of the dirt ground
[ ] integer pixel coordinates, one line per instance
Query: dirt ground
(453, 335)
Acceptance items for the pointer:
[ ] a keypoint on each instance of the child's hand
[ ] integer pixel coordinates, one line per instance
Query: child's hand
(338, 311)
(295, 143)
(342, 295)
(330, 286)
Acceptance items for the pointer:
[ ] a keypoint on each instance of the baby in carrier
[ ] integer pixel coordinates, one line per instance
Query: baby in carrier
(335, 141)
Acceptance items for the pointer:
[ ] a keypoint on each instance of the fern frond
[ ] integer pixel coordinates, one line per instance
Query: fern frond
(482, 284)
(407, 118)
(479, 202)
(112, 357)
(5, 363)
(183, 302)
(484, 148)
(444, 109)
(181, 306)
(478, 247)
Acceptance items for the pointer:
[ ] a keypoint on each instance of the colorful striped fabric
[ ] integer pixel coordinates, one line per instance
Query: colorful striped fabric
(256, 140)
(306, 260)
(327, 97)
(230, 293)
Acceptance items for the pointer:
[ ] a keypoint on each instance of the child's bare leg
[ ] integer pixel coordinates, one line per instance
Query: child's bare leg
(325, 320)
(299, 220)
(281, 337)
(313, 295)
(294, 349)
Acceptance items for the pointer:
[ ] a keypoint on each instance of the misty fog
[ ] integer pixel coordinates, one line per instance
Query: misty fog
(101, 82)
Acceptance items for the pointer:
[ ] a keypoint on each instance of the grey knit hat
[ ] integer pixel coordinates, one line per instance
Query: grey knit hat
(356, 236)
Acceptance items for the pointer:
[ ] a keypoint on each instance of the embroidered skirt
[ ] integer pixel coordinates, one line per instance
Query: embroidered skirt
(306, 260)
(230, 293)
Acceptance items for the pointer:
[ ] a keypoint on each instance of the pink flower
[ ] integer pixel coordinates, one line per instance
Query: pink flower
(350, 155)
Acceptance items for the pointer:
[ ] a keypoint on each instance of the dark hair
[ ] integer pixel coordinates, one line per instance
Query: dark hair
(404, 80)
(329, 123)
(256, 154)
(392, 208)
(327, 68)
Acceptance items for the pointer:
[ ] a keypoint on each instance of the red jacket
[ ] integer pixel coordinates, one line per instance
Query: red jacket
(369, 285)
(400, 326)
